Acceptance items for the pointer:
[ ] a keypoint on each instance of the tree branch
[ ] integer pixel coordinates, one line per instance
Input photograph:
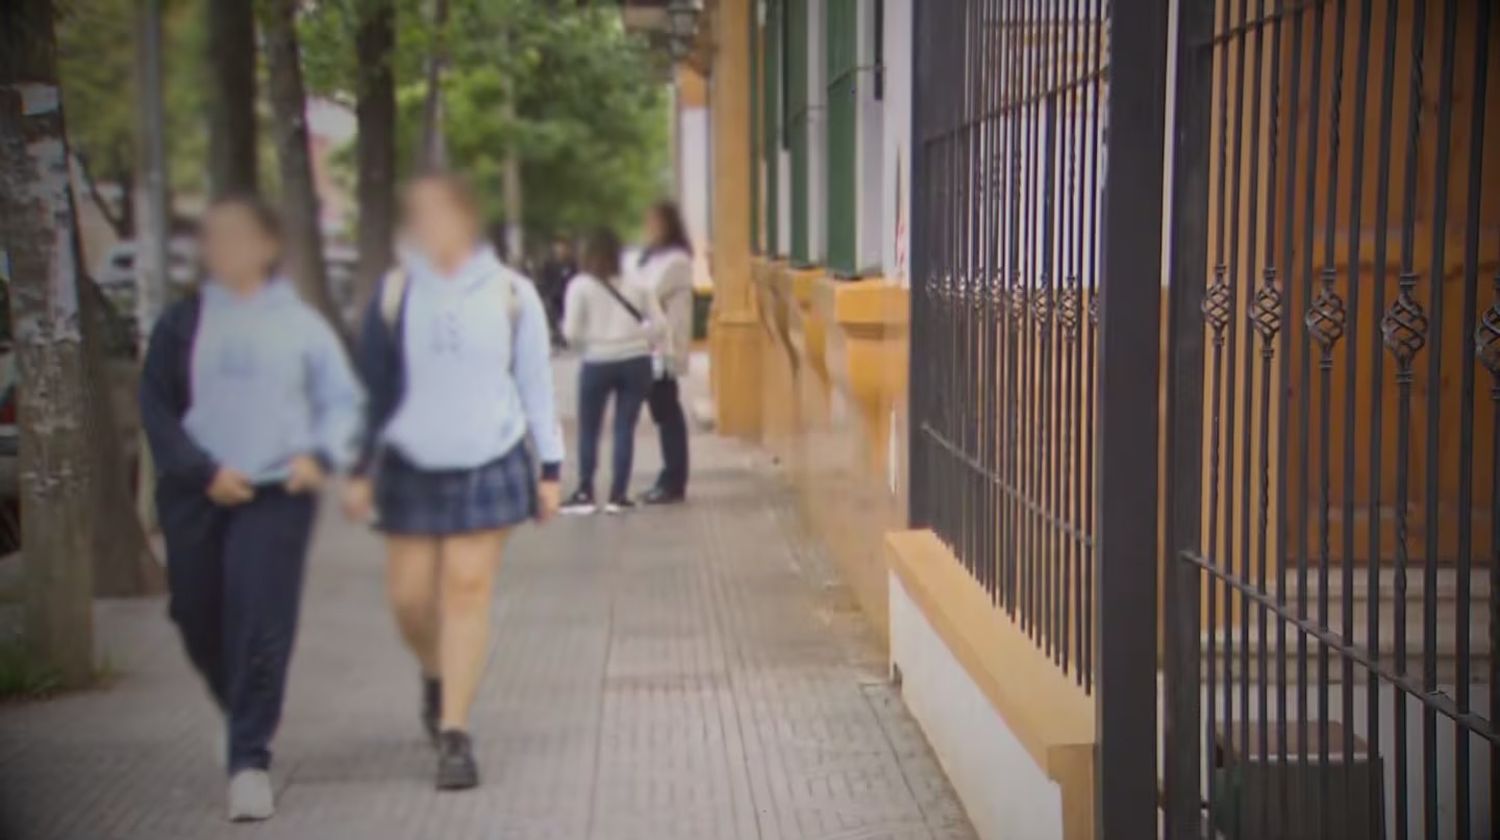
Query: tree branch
(119, 222)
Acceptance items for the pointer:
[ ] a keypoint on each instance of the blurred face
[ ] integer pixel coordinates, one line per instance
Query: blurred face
(236, 249)
(437, 223)
(656, 229)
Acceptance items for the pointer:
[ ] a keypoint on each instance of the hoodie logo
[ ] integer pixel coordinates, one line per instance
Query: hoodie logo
(237, 359)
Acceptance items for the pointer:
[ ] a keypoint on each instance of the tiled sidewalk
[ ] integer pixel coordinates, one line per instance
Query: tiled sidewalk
(691, 673)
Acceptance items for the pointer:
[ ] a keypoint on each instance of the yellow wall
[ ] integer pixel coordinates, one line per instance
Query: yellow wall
(733, 343)
(833, 372)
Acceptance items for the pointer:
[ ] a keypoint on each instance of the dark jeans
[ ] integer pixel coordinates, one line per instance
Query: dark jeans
(671, 424)
(235, 576)
(628, 381)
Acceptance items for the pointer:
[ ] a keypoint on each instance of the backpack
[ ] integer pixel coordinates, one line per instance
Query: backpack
(393, 292)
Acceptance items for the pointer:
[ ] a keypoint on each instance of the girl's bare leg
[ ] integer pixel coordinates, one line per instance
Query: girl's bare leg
(412, 565)
(467, 577)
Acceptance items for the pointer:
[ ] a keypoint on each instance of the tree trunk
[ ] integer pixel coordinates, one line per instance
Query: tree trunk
(434, 153)
(375, 112)
(123, 563)
(300, 217)
(153, 213)
(515, 242)
(231, 97)
(41, 243)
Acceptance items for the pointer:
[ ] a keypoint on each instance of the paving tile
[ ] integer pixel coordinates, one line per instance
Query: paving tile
(692, 673)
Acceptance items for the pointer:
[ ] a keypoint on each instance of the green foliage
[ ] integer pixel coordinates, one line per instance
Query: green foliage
(591, 114)
(21, 677)
(590, 118)
(96, 52)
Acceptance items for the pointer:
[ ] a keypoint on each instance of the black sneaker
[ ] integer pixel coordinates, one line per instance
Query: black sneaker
(661, 496)
(456, 768)
(581, 503)
(432, 706)
(619, 505)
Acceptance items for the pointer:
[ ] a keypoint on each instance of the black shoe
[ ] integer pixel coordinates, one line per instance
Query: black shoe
(456, 768)
(619, 504)
(432, 706)
(661, 496)
(581, 503)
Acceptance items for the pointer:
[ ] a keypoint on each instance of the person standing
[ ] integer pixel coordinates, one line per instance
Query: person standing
(666, 269)
(614, 324)
(248, 403)
(553, 278)
(455, 355)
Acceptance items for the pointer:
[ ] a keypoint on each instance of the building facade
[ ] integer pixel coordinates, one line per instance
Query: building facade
(1139, 368)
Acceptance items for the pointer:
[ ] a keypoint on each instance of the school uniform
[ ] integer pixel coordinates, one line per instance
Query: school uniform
(616, 344)
(668, 273)
(459, 372)
(248, 383)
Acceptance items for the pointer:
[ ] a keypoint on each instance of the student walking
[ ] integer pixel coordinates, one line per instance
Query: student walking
(614, 324)
(666, 269)
(455, 354)
(248, 403)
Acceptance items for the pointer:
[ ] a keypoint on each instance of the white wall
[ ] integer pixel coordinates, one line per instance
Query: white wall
(694, 182)
(896, 149)
(1006, 795)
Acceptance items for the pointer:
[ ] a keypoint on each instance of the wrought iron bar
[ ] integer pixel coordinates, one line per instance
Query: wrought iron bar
(1468, 352)
(1434, 414)
(1405, 330)
(1268, 323)
(1283, 425)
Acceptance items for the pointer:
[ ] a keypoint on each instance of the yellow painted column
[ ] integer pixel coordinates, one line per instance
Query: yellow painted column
(734, 343)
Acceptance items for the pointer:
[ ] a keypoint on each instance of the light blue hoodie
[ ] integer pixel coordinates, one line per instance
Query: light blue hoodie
(270, 381)
(477, 367)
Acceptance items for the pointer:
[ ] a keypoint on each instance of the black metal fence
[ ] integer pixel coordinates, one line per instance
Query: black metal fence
(1331, 591)
(1011, 139)
(1034, 408)
(1331, 373)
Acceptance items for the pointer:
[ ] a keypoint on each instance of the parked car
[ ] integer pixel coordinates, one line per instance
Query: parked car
(115, 275)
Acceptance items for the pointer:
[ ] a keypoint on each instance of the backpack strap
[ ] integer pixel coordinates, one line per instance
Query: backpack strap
(392, 292)
(512, 300)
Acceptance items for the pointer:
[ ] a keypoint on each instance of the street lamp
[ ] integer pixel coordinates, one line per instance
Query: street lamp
(682, 26)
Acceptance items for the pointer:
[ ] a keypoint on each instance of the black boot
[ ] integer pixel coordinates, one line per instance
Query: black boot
(456, 767)
(432, 706)
(660, 495)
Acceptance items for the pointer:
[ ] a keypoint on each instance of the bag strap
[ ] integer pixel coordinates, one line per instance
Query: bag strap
(619, 298)
(392, 291)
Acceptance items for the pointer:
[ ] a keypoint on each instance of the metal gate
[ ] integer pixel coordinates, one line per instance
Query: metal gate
(1035, 337)
(1331, 582)
(1327, 380)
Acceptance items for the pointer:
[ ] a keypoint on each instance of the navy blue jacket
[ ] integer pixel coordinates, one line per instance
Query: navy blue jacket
(166, 394)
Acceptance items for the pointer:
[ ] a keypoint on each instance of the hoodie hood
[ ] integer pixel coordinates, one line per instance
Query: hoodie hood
(276, 294)
(482, 263)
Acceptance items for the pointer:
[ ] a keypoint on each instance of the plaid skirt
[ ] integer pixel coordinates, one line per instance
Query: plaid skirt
(412, 500)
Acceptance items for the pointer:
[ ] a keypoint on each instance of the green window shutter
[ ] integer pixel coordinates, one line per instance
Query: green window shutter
(843, 77)
(771, 122)
(755, 82)
(797, 127)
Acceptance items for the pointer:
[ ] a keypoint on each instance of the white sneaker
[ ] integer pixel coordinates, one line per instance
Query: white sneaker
(250, 796)
(619, 505)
